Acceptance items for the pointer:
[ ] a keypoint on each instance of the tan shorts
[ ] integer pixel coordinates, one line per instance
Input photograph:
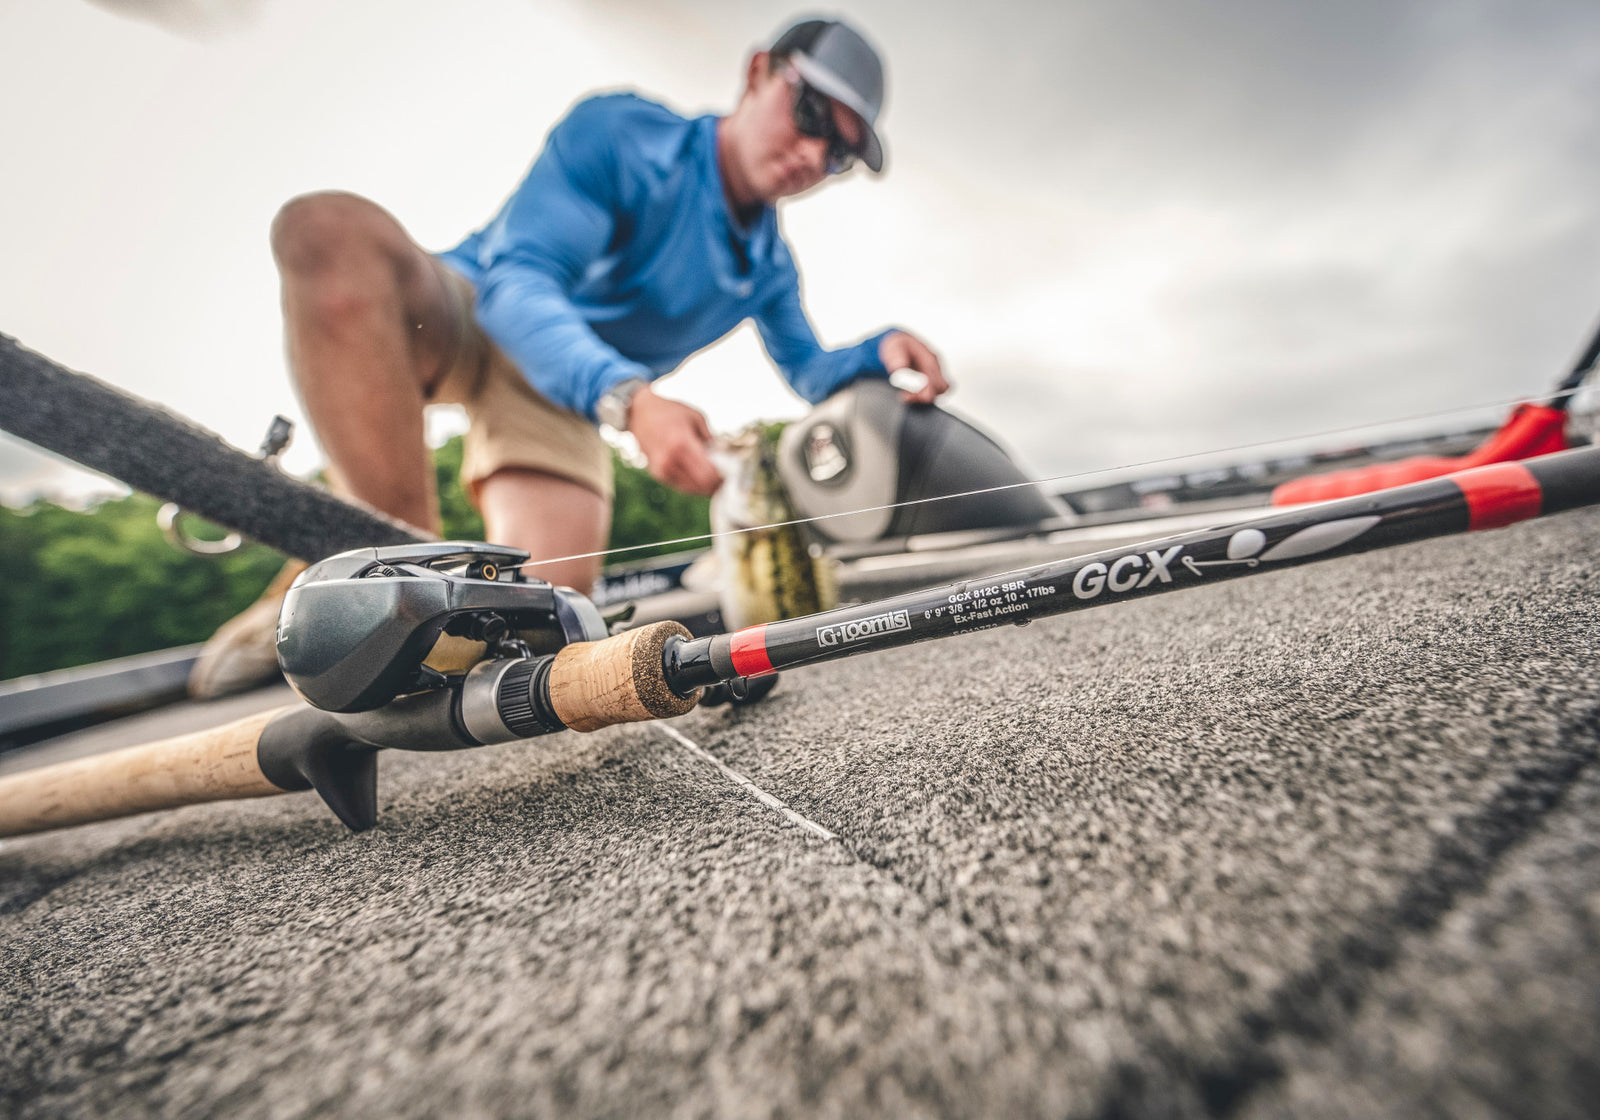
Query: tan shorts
(512, 424)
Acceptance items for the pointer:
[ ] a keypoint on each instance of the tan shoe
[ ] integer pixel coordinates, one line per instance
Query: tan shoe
(243, 653)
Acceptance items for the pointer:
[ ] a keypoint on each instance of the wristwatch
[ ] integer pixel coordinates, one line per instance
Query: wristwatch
(612, 407)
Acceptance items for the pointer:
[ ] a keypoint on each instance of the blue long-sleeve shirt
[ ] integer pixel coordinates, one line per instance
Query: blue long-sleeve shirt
(618, 257)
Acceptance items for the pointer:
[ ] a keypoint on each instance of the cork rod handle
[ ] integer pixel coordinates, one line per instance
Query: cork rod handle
(215, 765)
(616, 680)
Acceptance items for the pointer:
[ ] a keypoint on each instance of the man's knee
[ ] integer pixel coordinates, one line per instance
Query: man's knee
(315, 233)
(348, 263)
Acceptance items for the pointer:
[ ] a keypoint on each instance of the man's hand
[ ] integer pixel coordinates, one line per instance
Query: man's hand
(900, 350)
(674, 438)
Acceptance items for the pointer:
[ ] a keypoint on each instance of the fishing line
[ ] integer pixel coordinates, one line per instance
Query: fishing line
(1325, 434)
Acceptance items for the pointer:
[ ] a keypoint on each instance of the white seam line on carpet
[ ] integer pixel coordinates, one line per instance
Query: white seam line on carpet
(754, 790)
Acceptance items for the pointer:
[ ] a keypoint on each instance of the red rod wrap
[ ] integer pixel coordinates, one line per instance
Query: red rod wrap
(749, 651)
(1499, 494)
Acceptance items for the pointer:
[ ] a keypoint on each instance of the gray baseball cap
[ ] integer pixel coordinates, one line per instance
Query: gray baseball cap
(835, 59)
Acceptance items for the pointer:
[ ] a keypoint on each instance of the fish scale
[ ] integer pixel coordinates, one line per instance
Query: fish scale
(770, 570)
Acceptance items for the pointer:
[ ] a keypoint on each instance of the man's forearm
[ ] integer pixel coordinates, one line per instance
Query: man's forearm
(828, 371)
(529, 317)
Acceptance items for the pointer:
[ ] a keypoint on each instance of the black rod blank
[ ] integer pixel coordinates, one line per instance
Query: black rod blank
(161, 453)
(1482, 498)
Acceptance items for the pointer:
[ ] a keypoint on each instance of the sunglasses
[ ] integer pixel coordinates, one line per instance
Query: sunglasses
(813, 116)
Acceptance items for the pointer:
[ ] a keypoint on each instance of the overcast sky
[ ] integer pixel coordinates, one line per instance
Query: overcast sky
(1132, 229)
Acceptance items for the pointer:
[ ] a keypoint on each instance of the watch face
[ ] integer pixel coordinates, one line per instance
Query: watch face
(612, 408)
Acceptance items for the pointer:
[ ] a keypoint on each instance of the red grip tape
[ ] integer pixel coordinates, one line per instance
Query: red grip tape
(1499, 494)
(749, 651)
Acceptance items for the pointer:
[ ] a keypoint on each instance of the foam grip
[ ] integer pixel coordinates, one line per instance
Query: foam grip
(616, 680)
(215, 765)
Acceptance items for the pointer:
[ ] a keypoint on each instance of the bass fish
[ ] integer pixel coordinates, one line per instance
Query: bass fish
(766, 573)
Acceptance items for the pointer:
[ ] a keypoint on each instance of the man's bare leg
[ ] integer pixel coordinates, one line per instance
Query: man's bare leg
(368, 323)
(549, 517)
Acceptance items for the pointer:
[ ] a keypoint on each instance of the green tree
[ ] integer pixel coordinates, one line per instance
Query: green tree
(459, 518)
(85, 587)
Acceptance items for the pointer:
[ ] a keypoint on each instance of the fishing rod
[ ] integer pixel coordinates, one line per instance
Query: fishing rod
(449, 646)
(1483, 498)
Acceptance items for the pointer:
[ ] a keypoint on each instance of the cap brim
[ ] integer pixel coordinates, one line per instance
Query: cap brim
(825, 80)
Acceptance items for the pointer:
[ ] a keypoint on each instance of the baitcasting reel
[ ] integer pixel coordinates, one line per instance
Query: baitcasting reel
(434, 647)
(447, 646)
